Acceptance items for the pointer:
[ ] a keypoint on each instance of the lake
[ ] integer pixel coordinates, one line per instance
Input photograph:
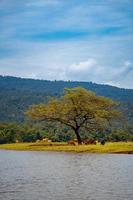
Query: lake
(65, 176)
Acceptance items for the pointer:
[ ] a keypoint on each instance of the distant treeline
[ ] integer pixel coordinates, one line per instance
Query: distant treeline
(26, 132)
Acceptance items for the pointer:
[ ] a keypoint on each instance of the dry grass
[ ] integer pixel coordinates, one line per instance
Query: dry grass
(114, 147)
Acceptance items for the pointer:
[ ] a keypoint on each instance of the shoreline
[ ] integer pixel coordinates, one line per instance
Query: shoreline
(110, 147)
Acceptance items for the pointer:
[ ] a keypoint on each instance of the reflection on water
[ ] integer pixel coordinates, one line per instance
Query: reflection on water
(65, 176)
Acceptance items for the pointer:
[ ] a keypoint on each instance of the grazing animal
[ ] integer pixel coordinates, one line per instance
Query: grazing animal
(71, 142)
(89, 141)
(37, 141)
(102, 142)
(45, 139)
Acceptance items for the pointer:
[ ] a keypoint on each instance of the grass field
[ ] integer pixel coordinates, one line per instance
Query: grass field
(114, 147)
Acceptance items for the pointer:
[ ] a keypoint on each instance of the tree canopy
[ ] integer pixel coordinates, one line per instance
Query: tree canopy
(78, 109)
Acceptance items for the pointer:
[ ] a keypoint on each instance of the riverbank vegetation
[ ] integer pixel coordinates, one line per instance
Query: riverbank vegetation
(27, 132)
(109, 147)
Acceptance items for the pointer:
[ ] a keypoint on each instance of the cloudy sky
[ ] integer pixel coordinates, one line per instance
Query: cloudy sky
(90, 40)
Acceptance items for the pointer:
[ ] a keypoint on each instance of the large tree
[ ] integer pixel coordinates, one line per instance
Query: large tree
(78, 108)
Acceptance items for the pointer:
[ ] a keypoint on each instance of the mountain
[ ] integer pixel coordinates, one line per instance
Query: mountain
(17, 94)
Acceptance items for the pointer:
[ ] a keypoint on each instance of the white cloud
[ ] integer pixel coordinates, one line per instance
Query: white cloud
(127, 63)
(84, 65)
(92, 70)
(81, 61)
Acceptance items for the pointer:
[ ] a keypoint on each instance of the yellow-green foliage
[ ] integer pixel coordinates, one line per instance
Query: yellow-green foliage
(78, 108)
(116, 147)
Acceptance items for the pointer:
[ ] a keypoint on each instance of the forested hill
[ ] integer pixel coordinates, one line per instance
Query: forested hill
(16, 94)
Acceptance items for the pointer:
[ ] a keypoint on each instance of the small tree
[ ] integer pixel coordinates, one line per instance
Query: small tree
(78, 108)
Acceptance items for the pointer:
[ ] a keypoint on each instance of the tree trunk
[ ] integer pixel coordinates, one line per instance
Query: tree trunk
(78, 136)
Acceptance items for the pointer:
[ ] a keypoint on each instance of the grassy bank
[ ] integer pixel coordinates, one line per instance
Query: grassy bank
(115, 147)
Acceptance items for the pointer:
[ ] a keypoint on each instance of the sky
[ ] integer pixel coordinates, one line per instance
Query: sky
(88, 40)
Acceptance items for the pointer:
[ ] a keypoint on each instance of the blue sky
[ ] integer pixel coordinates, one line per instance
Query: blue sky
(89, 40)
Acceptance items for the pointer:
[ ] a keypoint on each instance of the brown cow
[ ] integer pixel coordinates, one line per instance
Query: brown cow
(89, 141)
(71, 142)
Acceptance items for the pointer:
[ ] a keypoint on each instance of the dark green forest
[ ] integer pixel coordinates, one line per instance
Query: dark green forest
(17, 94)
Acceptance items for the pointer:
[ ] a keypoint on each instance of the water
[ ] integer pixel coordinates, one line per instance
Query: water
(65, 176)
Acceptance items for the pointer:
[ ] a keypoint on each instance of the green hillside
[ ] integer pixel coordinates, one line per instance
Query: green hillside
(17, 94)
